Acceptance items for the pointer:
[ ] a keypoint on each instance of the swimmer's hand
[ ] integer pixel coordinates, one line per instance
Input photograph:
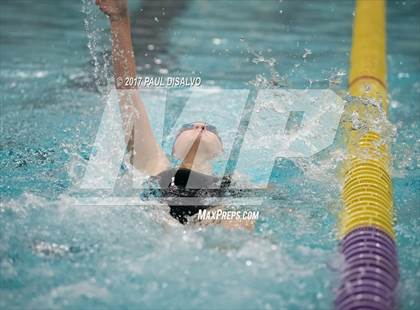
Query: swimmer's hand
(115, 9)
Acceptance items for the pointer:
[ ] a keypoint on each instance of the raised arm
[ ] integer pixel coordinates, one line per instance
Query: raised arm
(148, 156)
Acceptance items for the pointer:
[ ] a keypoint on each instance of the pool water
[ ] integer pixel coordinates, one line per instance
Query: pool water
(54, 69)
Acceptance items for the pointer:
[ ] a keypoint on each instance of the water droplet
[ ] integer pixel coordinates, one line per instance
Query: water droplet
(217, 41)
(306, 53)
(394, 104)
(403, 75)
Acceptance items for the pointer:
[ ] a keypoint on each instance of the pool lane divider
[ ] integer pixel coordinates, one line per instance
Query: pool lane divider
(370, 274)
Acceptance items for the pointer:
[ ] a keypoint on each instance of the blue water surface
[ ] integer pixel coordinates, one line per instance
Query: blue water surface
(54, 68)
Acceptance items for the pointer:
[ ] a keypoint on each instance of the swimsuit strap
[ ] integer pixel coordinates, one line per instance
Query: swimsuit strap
(184, 182)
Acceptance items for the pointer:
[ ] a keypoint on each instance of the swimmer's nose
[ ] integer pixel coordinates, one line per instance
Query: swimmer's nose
(200, 127)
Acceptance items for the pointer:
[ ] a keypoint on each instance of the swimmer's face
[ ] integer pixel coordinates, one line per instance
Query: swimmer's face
(210, 143)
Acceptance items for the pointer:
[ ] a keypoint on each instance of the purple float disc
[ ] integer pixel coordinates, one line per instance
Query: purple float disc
(368, 282)
(377, 243)
(377, 268)
(368, 293)
(369, 232)
(351, 239)
(363, 288)
(372, 263)
(360, 238)
(364, 301)
(369, 273)
(366, 249)
(380, 257)
(357, 240)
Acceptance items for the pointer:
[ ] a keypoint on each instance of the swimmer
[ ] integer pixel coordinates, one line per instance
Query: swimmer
(196, 143)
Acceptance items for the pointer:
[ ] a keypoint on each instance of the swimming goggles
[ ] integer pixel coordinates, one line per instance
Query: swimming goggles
(189, 126)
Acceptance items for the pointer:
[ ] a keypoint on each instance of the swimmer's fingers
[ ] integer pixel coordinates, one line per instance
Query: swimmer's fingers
(115, 9)
(98, 3)
(239, 224)
(101, 6)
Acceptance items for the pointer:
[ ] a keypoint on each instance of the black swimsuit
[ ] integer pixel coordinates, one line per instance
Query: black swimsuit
(173, 184)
